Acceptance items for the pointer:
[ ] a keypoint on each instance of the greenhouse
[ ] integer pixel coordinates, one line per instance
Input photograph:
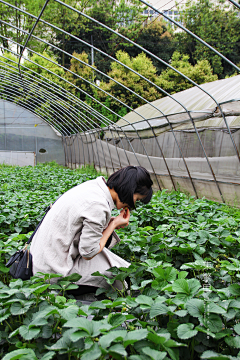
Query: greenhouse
(188, 140)
(151, 138)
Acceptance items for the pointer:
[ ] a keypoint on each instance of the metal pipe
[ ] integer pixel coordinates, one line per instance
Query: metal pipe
(144, 147)
(54, 112)
(75, 87)
(187, 31)
(143, 50)
(13, 90)
(48, 88)
(29, 36)
(46, 95)
(141, 116)
(125, 153)
(234, 3)
(50, 99)
(70, 94)
(150, 127)
(146, 51)
(142, 99)
(66, 151)
(24, 105)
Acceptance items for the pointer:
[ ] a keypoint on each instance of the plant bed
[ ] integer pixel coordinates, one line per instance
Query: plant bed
(184, 300)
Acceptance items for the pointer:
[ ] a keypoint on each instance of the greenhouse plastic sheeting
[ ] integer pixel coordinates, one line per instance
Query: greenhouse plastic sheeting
(216, 143)
(21, 130)
(20, 158)
(202, 109)
(194, 99)
(109, 158)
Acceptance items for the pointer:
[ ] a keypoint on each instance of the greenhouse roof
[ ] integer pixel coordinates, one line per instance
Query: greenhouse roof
(200, 104)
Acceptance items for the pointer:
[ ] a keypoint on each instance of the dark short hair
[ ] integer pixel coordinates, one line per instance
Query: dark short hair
(131, 180)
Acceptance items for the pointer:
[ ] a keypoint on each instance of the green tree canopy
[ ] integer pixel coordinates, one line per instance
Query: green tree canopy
(155, 37)
(218, 25)
(116, 15)
(83, 71)
(47, 66)
(141, 64)
(22, 23)
(111, 13)
(173, 82)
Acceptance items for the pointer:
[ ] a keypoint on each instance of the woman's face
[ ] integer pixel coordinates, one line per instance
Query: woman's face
(136, 197)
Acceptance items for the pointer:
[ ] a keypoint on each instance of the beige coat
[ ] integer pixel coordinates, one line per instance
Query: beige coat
(73, 228)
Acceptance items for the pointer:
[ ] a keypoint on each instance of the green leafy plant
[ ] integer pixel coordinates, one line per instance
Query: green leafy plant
(184, 296)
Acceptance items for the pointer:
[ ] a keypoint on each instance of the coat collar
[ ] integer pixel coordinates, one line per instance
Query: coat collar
(102, 183)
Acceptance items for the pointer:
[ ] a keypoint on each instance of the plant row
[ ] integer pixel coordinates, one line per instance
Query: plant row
(184, 296)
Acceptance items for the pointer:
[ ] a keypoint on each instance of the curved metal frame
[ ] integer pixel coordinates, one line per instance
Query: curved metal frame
(153, 106)
(86, 124)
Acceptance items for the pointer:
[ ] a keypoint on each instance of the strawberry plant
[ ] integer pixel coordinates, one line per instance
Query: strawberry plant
(184, 296)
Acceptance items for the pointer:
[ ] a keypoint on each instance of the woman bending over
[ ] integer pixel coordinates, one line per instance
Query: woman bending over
(78, 231)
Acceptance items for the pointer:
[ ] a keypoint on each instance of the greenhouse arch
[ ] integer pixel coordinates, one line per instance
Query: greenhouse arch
(86, 127)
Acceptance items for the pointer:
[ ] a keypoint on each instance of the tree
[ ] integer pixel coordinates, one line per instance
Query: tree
(116, 15)
(40, 85)
(46, 66)
(218, 25)
(61, 16)
(173, 82)
(155, 37)
(141, 64)
(54, 13)
(19, 24)
(5, 31)
(82, 70)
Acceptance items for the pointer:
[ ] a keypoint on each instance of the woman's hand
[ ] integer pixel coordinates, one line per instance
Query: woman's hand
(122, 219)
(111, 220)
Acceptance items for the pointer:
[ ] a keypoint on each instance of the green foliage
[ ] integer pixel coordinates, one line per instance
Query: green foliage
(155, 37)
(110, 13)
(84, 72)
(173, 82)
(53, 13)
(116, 15)
(8, 58)
(42, 67)
(41, 74)
(141, 64)
(26, 191)
(106, 109)
(184, 297)
(217, 24)
(47, 67)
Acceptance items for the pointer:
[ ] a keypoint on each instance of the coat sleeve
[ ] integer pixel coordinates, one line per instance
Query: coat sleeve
(94, 221)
